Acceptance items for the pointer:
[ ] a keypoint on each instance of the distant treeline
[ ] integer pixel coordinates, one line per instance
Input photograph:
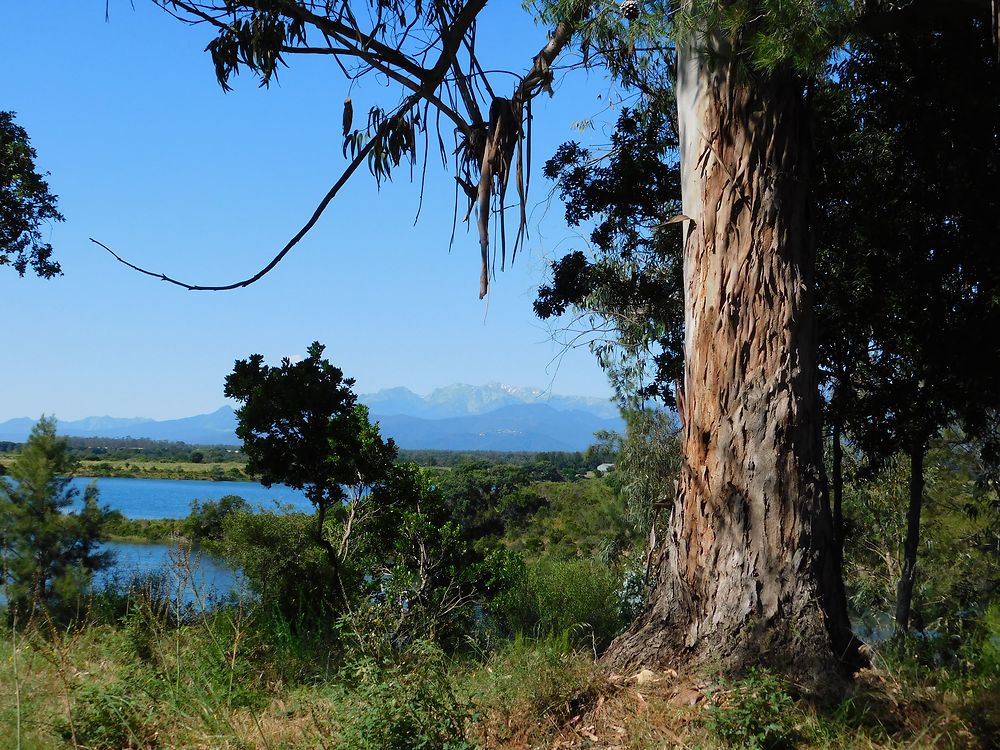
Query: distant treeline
(159, 450)
(561, 461)
(129, 448)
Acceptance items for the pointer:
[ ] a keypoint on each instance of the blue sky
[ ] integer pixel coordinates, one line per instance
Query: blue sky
(148, 155)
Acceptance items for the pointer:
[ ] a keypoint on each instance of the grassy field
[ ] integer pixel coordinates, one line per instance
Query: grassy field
(215, 685)
(142, 469)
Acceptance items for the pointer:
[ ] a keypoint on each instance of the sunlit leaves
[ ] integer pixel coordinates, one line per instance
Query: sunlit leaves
(768, 34)
(26, 205)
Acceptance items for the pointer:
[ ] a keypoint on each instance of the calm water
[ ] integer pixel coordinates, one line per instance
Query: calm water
(171, 498)
(197, 578)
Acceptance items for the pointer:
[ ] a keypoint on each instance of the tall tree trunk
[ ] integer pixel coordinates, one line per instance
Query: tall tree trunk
(904, 590)
(838, 488)
(748, 573)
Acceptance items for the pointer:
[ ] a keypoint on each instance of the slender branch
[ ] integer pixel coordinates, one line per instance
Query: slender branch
(380, 133)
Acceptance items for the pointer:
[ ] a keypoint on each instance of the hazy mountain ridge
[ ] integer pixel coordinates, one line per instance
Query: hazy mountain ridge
(457, 417)
(461, 400)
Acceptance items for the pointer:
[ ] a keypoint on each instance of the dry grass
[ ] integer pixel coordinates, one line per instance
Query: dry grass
(526, 695)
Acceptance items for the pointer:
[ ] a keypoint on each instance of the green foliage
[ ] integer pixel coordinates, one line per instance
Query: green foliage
(649, 464)
(402, 706)
(527, 682)
(281, 560)
(473, 492)
(301, 425)
(205, 523)
(583, 519)
(908, 288)
(26, 205)
(550, 597)
(753, 713)
(960, 547)
(635, 49)
(770, 34)
(150, 530)
(110, 717)
(986, 654)
(630, 283)
(48, 555)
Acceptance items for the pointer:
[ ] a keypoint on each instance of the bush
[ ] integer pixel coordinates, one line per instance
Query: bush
(110, 717)
(402, 706)
(206, 521)
(549, 597)
(753, 713)
(283, 564)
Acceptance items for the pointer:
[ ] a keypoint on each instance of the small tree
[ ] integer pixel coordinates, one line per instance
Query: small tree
(301, 425)
(49, 556)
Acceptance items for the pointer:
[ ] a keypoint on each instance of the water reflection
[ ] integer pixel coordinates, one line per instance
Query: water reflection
(190, 575)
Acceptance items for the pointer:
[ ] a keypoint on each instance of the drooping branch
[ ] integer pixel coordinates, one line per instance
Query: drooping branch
(258, 34)
(358, 160)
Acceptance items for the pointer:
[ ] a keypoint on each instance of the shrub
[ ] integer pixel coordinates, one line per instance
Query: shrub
(283, 564)
(110, 717)
(402, 706)
(205, 522)
(549, 597)
(753, 713)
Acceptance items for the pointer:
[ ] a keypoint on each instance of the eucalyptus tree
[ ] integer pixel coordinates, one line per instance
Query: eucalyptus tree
(749, 570)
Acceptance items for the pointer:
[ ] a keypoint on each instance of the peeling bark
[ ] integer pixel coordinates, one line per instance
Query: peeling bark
(748, 573)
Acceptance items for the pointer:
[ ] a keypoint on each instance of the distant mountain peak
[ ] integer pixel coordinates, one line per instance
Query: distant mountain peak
(495, 416)
(463, 399)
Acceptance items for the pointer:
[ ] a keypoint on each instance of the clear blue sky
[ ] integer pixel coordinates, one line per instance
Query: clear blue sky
(148, 155)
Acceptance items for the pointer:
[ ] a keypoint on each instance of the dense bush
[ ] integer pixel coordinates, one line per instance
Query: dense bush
(283, 564)
(752, 713)
(401, 706)
(549, 597)
(205, 523)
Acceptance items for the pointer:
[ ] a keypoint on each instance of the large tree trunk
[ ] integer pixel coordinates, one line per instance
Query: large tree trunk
(748, 573)
(904, 589)
(838, 488)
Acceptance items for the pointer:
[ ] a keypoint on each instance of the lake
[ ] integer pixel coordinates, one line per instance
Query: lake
(171, 498)
(193, 576)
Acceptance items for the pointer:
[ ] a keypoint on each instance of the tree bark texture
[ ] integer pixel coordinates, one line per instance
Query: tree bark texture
(838, 488)
(904, 589)
(748, 573)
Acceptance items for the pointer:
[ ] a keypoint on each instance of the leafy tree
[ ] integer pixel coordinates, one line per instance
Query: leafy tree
(750, 396)
(301, 425)
(628, 290)
(49, 555)
(26, 204)
(474, 490)
(909, 284)
(429, 576)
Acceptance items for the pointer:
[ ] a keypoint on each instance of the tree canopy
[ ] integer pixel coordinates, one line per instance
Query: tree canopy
(26, 205)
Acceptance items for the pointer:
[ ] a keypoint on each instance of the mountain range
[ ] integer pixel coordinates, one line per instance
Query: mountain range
(457, 417)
